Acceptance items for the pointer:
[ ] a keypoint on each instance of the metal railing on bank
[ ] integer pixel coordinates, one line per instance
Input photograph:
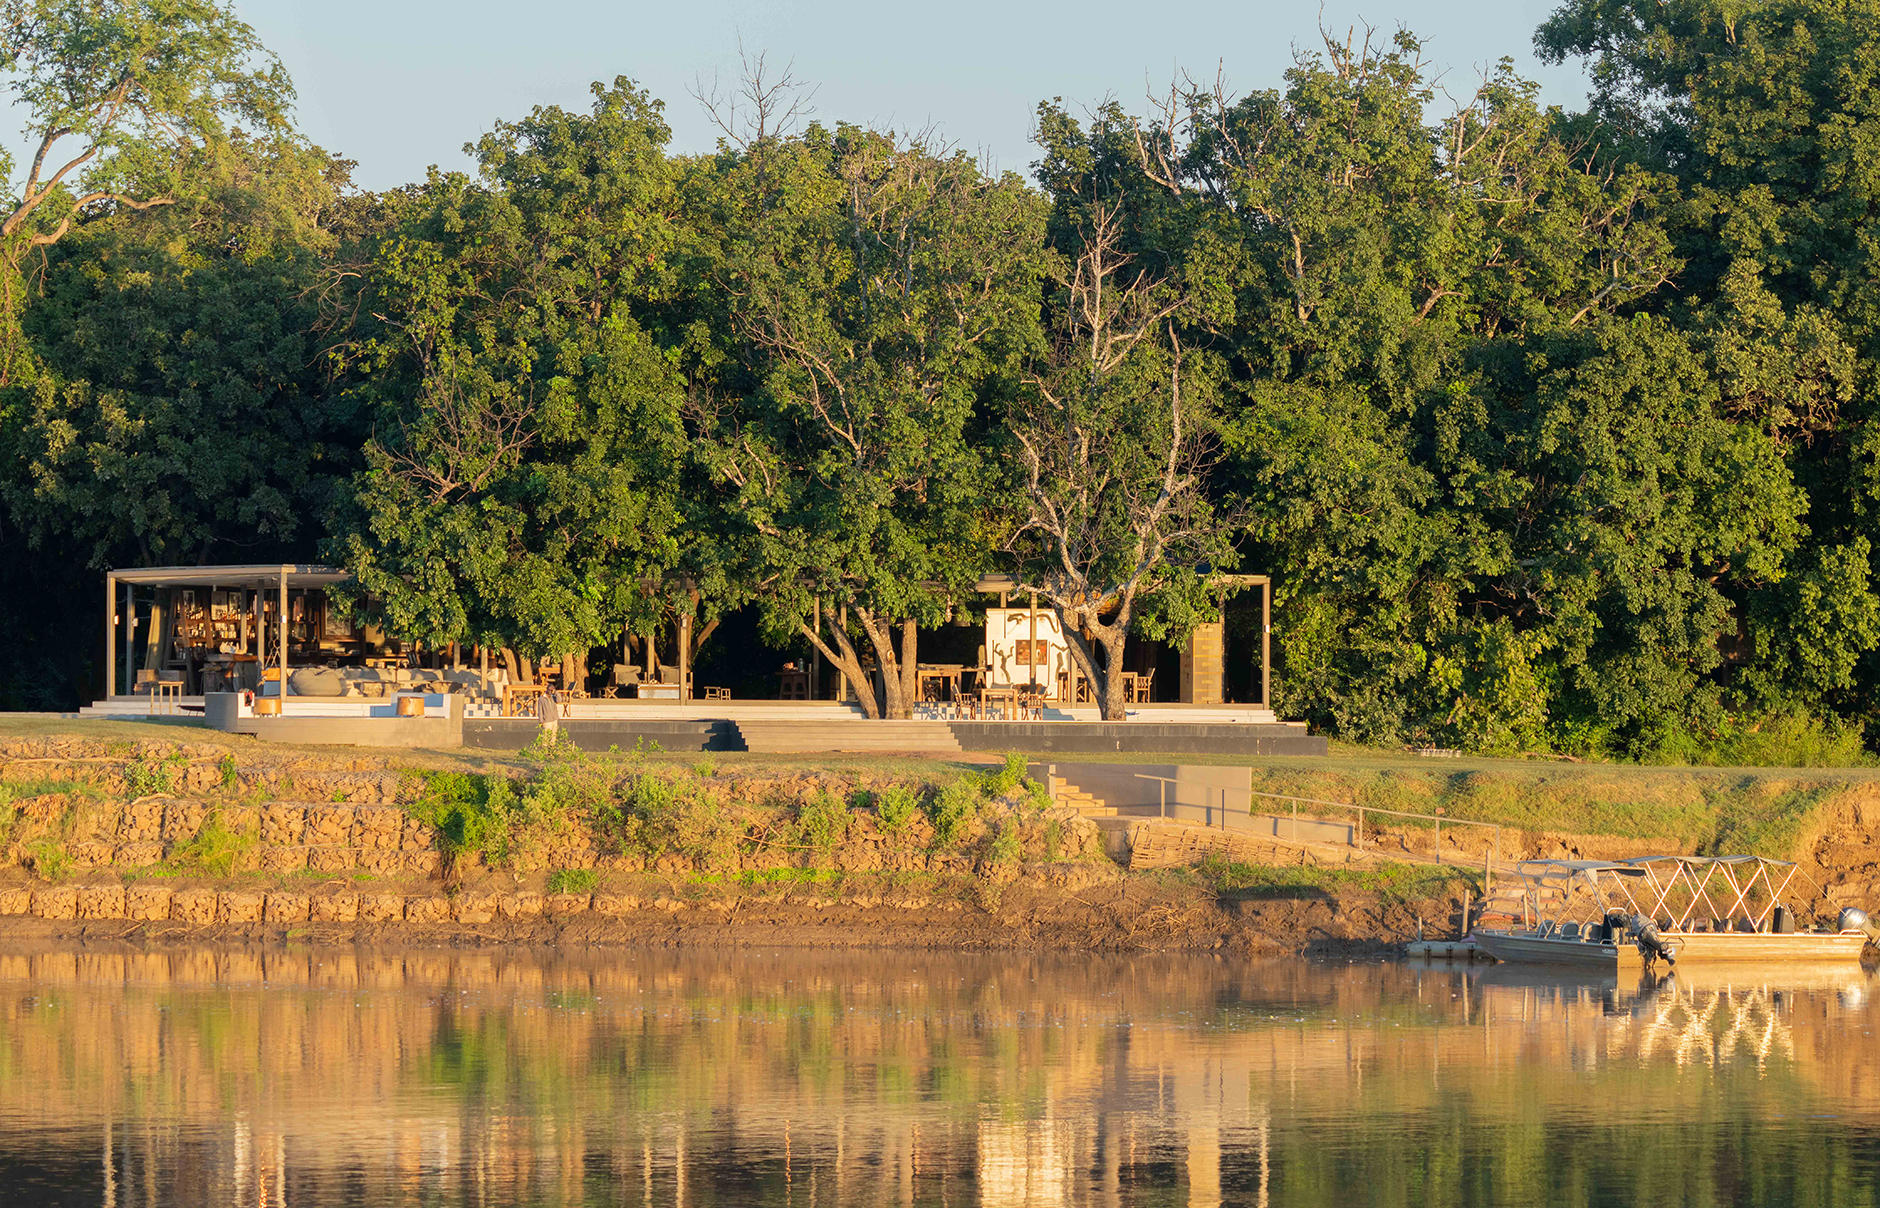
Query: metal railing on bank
(1490, 858)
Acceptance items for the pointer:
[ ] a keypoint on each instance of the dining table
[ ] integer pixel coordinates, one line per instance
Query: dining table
(932, 676)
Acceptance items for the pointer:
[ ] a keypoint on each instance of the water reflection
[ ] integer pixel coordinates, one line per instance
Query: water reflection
(321, 1077)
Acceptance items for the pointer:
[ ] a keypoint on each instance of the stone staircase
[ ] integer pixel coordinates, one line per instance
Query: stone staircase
(1113, 827)
(792, 737)
(1087, 804)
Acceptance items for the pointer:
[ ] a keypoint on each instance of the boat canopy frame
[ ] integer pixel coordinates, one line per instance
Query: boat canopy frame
(1611, 884)
(1700, 874)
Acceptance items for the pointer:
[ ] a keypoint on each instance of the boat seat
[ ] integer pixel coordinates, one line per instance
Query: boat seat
(1569, 931)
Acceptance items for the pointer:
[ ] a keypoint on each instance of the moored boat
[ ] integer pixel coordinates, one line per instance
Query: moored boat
(1628, 914)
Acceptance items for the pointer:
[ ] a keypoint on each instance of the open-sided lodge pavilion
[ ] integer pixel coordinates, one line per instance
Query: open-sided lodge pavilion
(222, 641)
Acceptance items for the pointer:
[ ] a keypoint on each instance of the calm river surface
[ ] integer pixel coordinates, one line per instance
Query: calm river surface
(325, 1077)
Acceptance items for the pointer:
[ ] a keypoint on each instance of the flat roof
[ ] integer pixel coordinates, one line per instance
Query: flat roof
(269, 574)
(993, 584)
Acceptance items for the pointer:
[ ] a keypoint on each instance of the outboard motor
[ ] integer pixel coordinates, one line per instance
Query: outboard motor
(1853, 918)
(1651, 945)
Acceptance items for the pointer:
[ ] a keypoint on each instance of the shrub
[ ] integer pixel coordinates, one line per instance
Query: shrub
(894, 807)
(705, 769)
(821, 821)
(470, 812)
(573, 880)
(1053, 839)
(657, 817)
(227, 768)
(1006, 847)
(1009, 776)
(1788, 739)
(953, 808)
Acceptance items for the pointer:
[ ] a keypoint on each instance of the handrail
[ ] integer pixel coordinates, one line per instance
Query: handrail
(1488, 862)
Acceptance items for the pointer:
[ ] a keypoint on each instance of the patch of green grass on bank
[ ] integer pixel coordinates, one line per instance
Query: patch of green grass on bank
(1232, 880)
(1761, 811)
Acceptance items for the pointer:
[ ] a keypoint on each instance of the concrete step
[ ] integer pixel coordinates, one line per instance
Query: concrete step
(1086, 804)
(793, 737)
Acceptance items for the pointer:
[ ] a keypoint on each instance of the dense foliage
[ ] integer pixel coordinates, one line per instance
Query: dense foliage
(1557, 429)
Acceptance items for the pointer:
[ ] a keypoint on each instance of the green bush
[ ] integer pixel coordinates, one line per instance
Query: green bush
(1009, 776)
(227, 768)
(657, 817)
(573, 880)
(705, 769)
(1789, 739)
(1053, 839)
(821, 821)
(894, 807)
(1006, 845)
(470, 812)
(953, 808)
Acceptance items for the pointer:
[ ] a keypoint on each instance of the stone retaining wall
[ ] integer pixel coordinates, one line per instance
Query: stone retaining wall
(287, 838)
(205, 907)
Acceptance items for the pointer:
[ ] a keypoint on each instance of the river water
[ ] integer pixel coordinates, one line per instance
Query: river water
(325, 1076)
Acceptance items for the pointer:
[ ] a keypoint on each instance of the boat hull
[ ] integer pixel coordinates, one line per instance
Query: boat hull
(1699, 946)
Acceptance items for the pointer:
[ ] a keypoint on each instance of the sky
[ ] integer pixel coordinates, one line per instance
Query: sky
(399, 85)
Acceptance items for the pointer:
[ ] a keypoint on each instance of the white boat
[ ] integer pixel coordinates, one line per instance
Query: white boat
(1628, 914)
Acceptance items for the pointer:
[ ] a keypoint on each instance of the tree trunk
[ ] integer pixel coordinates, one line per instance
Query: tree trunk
(1107, 680)
(910, 668)
(894, 701)
(843, 654)
(573, 671)
(890, 699)
(517, 668)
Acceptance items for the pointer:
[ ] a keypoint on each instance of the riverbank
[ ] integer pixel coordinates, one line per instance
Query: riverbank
(166, 834)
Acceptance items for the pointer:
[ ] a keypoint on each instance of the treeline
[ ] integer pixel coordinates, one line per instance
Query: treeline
(1555, 428)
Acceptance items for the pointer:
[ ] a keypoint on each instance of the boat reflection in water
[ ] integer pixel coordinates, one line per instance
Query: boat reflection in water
(320, 1077)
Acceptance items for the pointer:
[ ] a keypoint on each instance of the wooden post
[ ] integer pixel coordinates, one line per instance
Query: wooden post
(283, 651)
(110, 634)
(1439, 840)
(815, 654)
(685, 656)
(842, 687)
(130, 638)
(1031, 653)
(1266, 644)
